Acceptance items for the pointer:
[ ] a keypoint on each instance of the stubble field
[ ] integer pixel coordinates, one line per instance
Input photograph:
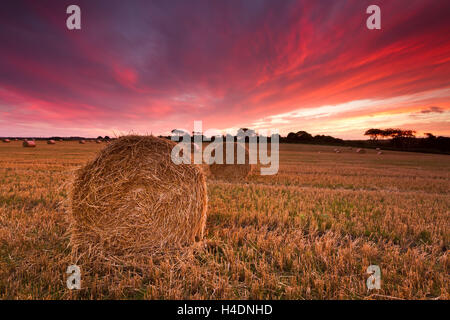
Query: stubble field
(310, 232)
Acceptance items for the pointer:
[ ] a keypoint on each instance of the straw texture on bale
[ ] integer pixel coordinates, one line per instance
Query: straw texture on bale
(29, 144)
(231, 171)
(132, 202)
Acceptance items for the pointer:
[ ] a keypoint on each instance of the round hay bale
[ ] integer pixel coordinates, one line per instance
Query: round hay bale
(378, 149)
(380, 152)
(6, 140)
(132, 202)
(51, 142)
(81, 142)
(359, 150)
(98, 141)
(232, 171)
(29, 144)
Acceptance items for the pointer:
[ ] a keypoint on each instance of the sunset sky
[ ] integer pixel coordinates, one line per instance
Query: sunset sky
(152, 66)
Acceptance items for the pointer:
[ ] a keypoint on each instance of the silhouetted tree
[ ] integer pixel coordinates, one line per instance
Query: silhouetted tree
(374, 133)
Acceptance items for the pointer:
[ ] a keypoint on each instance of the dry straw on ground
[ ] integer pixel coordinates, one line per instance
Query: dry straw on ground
(132, 203)
(29, 144)
(232, 171)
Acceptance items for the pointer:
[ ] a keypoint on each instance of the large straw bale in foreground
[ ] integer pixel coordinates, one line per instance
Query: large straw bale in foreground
(132, 201)
(232, 171)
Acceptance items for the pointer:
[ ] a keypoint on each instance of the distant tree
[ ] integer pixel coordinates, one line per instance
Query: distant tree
(99, 138)
(400, 133)
(291, 136)
(178, 132)
(430, 136)
(390, 132)
(408, 134)
(303, 136)
(322, 139)
(374, 133)
(299, 136)
(246, 131)
(107, 138)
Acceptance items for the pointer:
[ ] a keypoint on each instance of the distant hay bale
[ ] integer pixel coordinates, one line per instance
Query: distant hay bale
(132, 202)
(6, 140)
(81, 142)
(359, 150)
(205, 169)
(61, 140)
(337, 151)
(98, 141)
(232, 171)
(378, 149)
(29, 144)
(51, 142)
(380, 152)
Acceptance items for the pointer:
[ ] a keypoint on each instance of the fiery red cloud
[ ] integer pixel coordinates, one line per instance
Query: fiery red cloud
(141, 66)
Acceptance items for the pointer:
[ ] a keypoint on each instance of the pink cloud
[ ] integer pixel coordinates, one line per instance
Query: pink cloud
(147, 67)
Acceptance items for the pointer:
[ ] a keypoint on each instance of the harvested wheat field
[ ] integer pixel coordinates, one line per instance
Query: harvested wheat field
(309, 232)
